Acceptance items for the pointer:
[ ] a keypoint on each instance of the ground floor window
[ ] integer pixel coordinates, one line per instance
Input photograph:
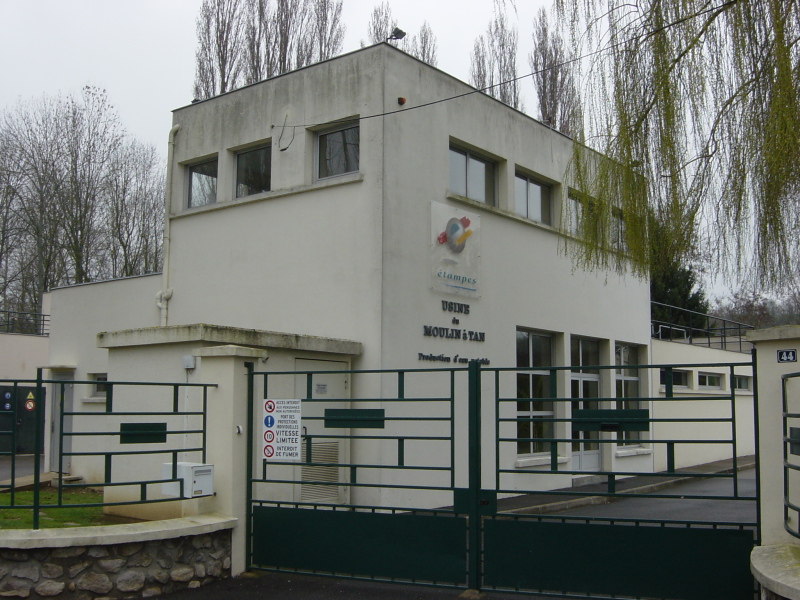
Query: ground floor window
(534, 350)
(627, 381)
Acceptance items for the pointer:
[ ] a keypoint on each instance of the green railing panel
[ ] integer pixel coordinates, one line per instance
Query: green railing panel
(389, 546)
(624, 560)
(142, 433)
(364, 418)
(613, 419)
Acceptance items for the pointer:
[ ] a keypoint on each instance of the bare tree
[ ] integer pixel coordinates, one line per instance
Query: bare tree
(284, 35)
(220, 38)
(551, 65)
(423, 45)
(91, 132)
(381, 24)
(65, 215)
(494, 60)
(328, 29)
(133, 210)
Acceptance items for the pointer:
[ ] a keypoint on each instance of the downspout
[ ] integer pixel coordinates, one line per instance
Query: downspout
(164, 295)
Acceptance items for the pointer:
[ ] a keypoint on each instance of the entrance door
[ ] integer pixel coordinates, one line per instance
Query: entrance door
(585, 447)
(585, 385)
(332, 449)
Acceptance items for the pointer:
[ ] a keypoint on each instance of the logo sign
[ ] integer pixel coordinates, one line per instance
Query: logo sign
(787, 356)
(455, 250)
(281, 433)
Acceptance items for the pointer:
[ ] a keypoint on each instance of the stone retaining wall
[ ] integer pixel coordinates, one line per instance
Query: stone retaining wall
(128, 570)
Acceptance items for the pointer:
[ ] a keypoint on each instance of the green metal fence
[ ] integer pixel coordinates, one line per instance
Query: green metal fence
(427, 485)
(790, 393)
(130, 420)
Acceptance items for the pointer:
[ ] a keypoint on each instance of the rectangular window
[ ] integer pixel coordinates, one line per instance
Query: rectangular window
(709, 380)
(679, 378)
(533, 390)
(253, 171)
(742, 382)
(532, 199)
(618, 230)
(627, 382)
(203, 183)
(472, 176)
(100, 386)
(338, 151)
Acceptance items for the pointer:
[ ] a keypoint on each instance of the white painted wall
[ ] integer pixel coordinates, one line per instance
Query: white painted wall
(686, 455)
(21, 355)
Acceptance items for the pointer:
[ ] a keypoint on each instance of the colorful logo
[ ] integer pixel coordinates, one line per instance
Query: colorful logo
(455, 234)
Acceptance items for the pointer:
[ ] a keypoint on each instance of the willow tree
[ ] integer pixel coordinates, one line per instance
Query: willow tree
(695, 105)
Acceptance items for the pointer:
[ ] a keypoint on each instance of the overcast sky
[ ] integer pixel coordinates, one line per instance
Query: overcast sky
(142, 51)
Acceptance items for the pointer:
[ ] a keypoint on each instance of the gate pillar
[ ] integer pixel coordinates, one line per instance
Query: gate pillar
(770, 367)
(227, 437)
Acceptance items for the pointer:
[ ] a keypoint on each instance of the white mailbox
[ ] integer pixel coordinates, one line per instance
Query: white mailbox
(198, 480)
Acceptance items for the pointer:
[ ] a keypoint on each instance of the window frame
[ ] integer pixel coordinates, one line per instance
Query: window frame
(323, 133)
(471, 155)
(544, 187)
(530, 372)
(627, 438)
(249, 150)
(747, 378)
(682, 372)
(191, 169)
(703, 378)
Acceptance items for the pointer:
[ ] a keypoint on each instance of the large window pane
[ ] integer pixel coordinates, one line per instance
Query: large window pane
(476, 179)
(338, 152)
(533, 416)
(253, 171)
(521, 196)
(458, 173)
(471, 176)
(532, 199)
(203, 183)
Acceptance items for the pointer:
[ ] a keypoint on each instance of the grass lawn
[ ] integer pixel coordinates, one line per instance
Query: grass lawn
(51, 516)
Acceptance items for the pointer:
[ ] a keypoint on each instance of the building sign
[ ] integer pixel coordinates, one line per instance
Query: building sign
(455, 250)
(281, 434)
(787, 356)
(449, 332)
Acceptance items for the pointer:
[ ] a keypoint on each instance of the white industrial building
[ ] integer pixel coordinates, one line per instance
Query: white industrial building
(371, 212)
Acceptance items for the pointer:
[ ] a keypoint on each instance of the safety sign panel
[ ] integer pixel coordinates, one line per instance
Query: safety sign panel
(281, 435)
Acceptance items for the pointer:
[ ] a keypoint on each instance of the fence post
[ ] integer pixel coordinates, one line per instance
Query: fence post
(474, 460)
(37, 457)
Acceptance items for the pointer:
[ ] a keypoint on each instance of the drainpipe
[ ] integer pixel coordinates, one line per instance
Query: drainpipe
(164, 295)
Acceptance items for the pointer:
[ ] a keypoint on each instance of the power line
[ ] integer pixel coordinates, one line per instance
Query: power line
(644, 36)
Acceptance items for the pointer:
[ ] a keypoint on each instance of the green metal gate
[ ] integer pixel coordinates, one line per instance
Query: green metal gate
(428, 491)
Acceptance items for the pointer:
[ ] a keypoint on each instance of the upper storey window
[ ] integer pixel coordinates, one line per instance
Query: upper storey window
(532, 199)
(472, 176)
(253, 171)
(203, 183)
(338, 151)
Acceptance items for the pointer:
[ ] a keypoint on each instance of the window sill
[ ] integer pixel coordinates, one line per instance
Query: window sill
(328, 182)
(94, 400)
(503, 213)
(537, 461)
(637, 451)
